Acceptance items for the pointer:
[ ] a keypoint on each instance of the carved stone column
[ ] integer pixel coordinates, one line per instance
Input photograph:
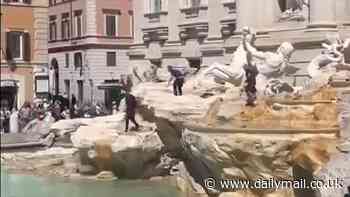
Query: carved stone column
(323, 13)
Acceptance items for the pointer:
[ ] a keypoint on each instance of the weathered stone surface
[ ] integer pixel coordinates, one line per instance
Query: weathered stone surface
(133, 153)
(87, 169)
(51, 162)
(210, 153)
(238, 194)
(64, 127)
(344, 116)
(245, 156)
(38, 127)
(336, 169)
(106, 176)
(86, 136)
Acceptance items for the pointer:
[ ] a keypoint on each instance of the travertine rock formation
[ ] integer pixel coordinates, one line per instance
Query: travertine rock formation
(219, 137)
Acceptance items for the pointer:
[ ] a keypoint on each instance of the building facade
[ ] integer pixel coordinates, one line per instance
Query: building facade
(201, 32)
(24, 73)
(88, 43)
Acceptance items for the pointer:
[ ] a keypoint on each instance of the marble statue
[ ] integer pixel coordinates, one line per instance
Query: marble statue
(270, 65)
(234, 73)
(330, 60)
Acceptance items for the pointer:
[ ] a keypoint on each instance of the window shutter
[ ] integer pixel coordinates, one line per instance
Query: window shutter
(164, 5)
(27, 1)
(9, 46)
(26, 46)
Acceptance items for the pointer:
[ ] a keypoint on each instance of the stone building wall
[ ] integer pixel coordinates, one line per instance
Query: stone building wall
(30, 19)
(211, 32)
(94, 45)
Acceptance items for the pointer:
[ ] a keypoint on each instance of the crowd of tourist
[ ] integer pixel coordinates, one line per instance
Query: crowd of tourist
(14, 120)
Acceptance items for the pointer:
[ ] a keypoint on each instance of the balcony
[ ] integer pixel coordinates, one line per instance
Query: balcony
(194, 30)
(155, 34)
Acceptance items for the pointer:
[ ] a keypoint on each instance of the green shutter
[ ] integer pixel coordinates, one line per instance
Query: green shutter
(26, 46)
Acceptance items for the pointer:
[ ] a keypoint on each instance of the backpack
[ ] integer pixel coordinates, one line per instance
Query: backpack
(178, 71)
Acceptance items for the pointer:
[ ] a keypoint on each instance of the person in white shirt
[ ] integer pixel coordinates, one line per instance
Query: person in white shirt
(14, 127)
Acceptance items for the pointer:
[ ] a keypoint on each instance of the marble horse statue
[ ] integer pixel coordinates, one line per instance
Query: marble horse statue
(330, 60)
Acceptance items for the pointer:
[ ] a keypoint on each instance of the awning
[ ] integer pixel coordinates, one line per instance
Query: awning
(109, 85)
(8, 83)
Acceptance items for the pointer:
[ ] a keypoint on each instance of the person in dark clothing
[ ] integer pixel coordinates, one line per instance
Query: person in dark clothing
(73, 100)
(131, 104)
(348, 194)
(72, 105)
(251, 71)
(179, 77)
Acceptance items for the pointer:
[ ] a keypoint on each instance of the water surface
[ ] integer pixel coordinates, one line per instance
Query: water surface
(15, 185)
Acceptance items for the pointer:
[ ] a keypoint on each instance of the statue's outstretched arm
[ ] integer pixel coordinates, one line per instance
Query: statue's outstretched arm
(254, 52)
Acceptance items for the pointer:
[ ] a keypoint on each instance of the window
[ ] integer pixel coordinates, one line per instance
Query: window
(111, 58)
(67, 60)
(18, 46)
(191, 3)
(111, 25)
(78, 23)
(78, 60)
(155, 6)
(65, 26)
(53, 28)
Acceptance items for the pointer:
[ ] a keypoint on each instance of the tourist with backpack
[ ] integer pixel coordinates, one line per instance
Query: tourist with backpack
(177, 74)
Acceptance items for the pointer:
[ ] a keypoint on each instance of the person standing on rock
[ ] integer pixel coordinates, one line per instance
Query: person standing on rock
(177, 73)
(251, 71)
(72, 106)
(131, 104)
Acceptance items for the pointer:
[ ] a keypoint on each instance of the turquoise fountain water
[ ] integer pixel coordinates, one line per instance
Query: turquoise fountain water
(15, 185)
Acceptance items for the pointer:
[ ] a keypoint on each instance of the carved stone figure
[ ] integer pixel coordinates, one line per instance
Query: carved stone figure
(234, 73)
(271, 65)
(330, 60)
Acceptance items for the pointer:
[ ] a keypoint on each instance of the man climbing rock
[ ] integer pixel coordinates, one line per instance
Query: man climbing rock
(251, 72)
(178, 73)
(131, 104)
